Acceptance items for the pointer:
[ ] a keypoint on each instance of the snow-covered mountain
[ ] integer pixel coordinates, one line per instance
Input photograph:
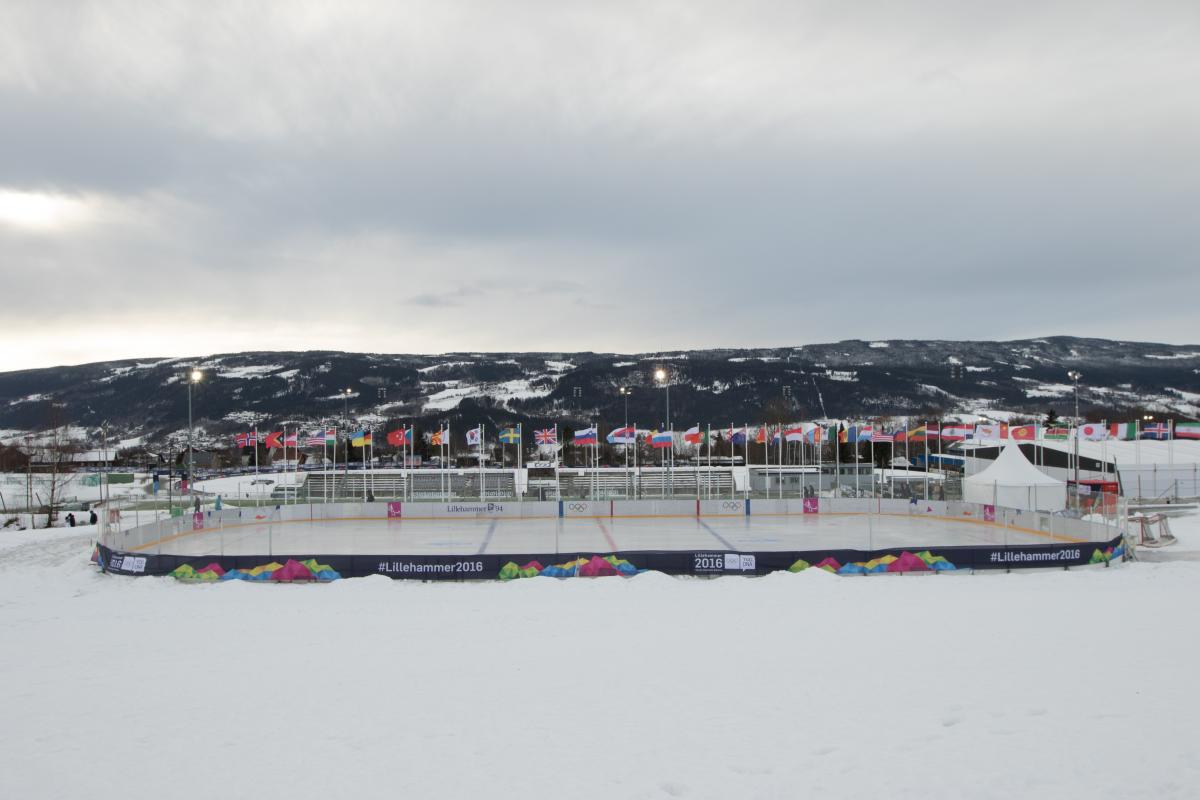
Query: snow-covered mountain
(148, 398)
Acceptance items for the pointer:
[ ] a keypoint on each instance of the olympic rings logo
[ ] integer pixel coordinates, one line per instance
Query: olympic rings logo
(577, 507)
(731, 505)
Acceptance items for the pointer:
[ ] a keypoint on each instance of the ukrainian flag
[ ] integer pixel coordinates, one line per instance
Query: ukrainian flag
(510, 435)
(361, 439)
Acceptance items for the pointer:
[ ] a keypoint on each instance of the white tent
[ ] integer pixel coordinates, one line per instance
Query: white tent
(1012, 482)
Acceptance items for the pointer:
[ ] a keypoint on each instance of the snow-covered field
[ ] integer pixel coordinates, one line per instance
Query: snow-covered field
(1046, 684)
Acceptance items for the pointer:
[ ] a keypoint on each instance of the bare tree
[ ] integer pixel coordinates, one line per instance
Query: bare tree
(56, 453)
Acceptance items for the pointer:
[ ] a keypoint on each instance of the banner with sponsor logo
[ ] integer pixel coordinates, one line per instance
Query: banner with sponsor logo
(323, 568)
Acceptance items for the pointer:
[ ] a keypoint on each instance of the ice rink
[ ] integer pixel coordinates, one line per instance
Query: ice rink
(595, 535)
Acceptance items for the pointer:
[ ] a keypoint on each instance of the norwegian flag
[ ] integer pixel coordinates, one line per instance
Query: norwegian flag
(545, 436)
(246, 439)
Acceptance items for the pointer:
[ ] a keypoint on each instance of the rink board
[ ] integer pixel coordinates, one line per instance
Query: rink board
(464, 546)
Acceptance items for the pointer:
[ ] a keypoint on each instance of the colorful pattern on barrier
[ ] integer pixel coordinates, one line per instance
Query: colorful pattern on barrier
(923, 561)
(1107, 554)
(308, 570)
(593, 567)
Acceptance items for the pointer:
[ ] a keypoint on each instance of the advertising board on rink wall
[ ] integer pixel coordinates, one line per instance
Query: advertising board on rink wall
(300, 567)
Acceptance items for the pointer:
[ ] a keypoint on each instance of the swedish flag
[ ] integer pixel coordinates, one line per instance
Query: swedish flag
(511, 435)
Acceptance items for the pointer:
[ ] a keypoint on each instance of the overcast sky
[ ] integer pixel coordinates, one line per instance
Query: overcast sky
(188, 178)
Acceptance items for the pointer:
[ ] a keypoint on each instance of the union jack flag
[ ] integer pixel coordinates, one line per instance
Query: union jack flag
(546, 436)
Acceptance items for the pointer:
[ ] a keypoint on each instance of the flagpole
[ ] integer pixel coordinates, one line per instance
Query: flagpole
(837, 460)
(1171, 444)
(820, 445)
(857, 459)
(746, 447)
(873, 481)
(482, 478)
(635, 484)
(927, 460)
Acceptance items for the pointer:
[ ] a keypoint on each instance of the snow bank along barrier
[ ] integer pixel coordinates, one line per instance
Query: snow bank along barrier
(145, 549)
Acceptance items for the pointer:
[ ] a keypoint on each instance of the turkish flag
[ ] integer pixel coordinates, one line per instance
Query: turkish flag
(273, 440)
(396, 438)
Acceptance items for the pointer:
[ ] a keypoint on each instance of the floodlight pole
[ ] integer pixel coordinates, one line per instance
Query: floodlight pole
(346, 415)
(1074, 375)
(193, 376)
(625, 392)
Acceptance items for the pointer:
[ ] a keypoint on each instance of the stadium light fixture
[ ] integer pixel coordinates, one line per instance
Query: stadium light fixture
(1075, 375)
(660, 375)
(194, 376)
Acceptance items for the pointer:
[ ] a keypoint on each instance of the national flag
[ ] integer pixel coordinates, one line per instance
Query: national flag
(546, 436)
(791, 435)
(815, 435)
(737, 436)
(991, 430)
(627, 435)
(291, 439)
(882, 437)
(587, 436)
(242, 439)
(660, 439)
(1125, 431)
(865, 432)
(917, 434)
(361, 439)
(933, 430)
(1057, 434)
(692, 435)
(473, 437)
(1155, 430)
(1092, 432)
(316, 439)
(1187, 430)
(273, 440)
(511, 435)
(438, 438)
(957, 433)
(843, 435)
(1023, 433)
(761, 436)
(400, 437)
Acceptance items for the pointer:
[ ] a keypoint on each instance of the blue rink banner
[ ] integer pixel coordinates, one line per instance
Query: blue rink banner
(308, 567)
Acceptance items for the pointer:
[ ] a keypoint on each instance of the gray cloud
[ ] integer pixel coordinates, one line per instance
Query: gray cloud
(626, 176)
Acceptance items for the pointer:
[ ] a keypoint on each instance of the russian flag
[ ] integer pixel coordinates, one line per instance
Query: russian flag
(660, 439)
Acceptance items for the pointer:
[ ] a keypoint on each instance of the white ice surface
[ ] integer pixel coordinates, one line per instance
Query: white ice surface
(1054, 684)
(599, 535)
